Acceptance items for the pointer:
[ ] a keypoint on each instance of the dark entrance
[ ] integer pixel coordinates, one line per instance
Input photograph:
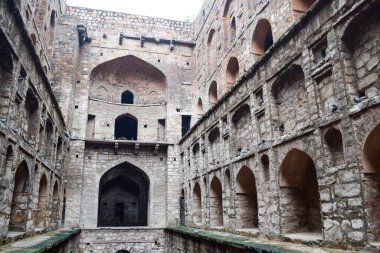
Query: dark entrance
(123, 197)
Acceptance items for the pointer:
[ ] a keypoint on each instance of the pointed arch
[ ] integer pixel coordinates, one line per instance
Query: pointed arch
(123, 197)
(262, 38)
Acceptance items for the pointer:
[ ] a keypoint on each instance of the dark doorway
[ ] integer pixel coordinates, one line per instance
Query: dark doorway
(186, 119)
(123, 197)
(126, 128)
(127, 97)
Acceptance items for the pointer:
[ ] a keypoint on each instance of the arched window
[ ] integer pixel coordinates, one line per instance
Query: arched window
(127, 97)
(34, 39)
(213, 93)
(19, 207)
(262, 38)
(232, 72)
(300, 192)
(123, 197)
(371, 151)
(126, 127)
(302, 5)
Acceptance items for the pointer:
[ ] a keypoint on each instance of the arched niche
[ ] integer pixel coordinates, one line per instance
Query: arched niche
(213, 93)
(233, 30)
(123, 197)
(42, 202)
(127, 97)
(55, 206)
(227, 7)
(232, 73)
(299, 194)
(246, 199)
(126, 127)
(6, 74)
(200, 106)
(20, 199)
(357, 38)
(216, 203)
(214, 140)
(128, 73)
(334, 141)
(210, 37)
(32, 115)
(371, 151)
(197, 204)
(290, 99)
(241, 124)
(302, 5)
(262, 38)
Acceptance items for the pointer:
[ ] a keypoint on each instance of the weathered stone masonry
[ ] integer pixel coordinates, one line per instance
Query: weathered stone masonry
(259, 118)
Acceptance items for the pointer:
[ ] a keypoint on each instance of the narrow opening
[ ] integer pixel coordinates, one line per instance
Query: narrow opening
(213, 93)
(186, 119)
(333, 138)
(126, 128)
(265, 166)
(127, 97)
(90, 130)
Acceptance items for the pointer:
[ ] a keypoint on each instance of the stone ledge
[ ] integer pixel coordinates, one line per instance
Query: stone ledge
(40, 243)
(247, 243)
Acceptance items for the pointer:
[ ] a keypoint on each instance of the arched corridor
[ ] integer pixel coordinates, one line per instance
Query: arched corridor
(123, 197)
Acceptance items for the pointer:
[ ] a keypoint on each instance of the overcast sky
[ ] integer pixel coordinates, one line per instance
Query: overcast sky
(170, 9)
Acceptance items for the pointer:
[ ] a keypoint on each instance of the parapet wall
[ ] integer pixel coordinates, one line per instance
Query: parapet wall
(133, 25)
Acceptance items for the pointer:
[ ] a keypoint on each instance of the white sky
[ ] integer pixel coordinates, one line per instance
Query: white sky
(169, 9)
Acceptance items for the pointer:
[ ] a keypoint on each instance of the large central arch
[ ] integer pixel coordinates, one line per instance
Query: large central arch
(123, 197)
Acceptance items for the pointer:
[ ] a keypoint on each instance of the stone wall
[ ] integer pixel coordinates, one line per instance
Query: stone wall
(134, 240)
(306, 100)
(33, 143)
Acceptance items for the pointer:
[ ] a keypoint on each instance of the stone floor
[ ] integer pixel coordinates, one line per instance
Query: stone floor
(39, 243)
